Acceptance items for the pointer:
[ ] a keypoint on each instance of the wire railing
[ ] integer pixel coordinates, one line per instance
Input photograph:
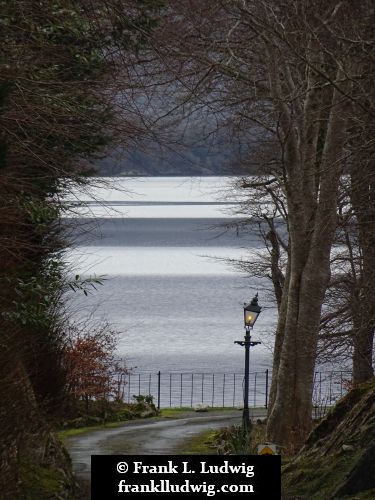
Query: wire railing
(186, 389)
(329, 387)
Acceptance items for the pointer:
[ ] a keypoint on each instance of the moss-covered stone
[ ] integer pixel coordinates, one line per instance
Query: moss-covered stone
(44, 469)
(338, 459)
(40, 482)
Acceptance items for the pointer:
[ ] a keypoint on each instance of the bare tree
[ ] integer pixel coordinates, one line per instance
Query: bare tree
(286, 72)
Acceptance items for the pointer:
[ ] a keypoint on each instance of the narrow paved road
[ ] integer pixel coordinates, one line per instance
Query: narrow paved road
(147, 437)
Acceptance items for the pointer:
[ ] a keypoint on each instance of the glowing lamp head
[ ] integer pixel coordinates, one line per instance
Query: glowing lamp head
(251, 312)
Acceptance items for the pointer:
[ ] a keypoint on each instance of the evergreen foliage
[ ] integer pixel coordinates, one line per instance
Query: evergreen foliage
(57, 114)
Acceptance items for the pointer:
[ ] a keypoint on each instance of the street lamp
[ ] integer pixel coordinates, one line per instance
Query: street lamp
(251, 313)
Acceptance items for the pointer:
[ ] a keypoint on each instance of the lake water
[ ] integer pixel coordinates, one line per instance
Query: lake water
(161, 244)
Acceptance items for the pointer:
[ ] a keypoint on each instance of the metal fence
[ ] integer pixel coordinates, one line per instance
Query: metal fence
(329, 387)
(183, 389)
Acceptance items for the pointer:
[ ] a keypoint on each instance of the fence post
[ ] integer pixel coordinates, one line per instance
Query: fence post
(341, 384)
(330, 388)
(192, 390)
(224, 391)
(159, 390)
(266, 405)
(320, 388)
(213, 390)
(181, 392)
(170, 389)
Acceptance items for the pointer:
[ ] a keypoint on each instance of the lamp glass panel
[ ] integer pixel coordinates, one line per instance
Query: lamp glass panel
(250, 317)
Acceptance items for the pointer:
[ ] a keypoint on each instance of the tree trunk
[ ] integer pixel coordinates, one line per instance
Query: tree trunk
(311, 230)
(279, 338)
(26, 440)
(363, 307)
(362, 354)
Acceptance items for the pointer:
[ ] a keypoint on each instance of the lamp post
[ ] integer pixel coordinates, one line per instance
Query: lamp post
(251, 313)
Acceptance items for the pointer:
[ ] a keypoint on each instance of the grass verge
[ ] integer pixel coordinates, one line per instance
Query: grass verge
(67, 433)
(201, 444)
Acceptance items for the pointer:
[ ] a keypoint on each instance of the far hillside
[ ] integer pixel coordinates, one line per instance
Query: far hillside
(198, 161)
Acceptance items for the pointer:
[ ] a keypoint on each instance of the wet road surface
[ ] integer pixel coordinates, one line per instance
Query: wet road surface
(147, 437)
